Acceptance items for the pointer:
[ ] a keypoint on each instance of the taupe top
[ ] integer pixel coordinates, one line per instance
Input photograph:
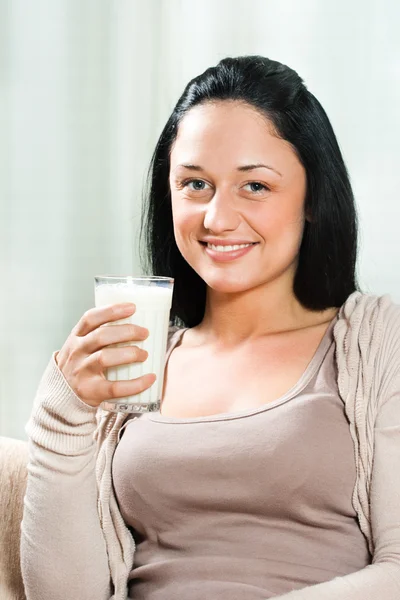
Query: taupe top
(241, 505)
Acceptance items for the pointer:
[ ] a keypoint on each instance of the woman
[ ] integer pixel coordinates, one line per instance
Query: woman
(271, 468)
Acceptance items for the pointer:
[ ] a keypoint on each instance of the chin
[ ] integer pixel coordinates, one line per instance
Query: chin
(226, 285)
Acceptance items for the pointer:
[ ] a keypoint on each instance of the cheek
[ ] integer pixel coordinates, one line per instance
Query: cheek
(285, 218)
(290, 226)
(286, 233)
(184, 225)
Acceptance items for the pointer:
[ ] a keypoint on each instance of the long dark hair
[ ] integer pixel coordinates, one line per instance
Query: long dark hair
(325, 274)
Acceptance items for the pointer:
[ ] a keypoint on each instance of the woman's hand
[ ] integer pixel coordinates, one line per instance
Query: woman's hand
(85, 355)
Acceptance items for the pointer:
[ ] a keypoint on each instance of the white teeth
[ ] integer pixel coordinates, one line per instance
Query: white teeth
(227, 248)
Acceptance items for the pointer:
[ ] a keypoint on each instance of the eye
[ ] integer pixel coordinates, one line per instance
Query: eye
(196, 187)
(260, 187)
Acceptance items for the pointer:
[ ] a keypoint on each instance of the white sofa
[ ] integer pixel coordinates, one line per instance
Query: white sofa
(13, 472)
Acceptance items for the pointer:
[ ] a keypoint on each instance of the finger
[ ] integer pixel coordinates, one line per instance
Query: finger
(95, 317)
(131, 387)
(113, 334)
(113, 357)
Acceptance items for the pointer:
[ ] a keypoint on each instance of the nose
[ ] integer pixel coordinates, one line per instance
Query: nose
(220, 214)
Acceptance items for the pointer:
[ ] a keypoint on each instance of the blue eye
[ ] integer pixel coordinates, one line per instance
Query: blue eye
(198, 185)
(195, 181)
(257, 183)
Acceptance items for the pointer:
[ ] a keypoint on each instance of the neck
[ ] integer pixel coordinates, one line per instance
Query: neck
(231, 318)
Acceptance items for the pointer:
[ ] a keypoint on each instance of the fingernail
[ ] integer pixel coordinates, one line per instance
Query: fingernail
(126, 306)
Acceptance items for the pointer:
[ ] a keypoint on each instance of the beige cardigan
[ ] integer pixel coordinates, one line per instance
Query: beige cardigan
(69, 550)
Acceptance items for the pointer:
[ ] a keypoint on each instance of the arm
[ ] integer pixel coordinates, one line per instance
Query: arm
(63, 552)
(381, 580)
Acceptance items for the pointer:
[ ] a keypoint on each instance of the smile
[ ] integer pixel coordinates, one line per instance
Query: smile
(227, 253)
(227, 248)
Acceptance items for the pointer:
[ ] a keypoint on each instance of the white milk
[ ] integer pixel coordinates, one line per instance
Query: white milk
(153, 304)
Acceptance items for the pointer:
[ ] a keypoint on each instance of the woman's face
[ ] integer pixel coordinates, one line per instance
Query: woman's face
(223, 197)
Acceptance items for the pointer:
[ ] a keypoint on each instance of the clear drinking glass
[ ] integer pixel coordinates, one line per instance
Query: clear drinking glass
(153, 298)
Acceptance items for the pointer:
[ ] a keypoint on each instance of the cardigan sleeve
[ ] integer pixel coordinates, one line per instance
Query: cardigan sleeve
(381, 579)
(63, 551)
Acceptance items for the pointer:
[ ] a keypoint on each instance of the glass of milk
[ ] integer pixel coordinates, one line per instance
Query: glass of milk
(153, 298)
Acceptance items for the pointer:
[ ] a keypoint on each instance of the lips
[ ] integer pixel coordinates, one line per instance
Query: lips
(226, 247)
(225, 242)
(226, 255)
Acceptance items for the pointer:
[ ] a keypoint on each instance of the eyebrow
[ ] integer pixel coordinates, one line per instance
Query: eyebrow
(243, 168)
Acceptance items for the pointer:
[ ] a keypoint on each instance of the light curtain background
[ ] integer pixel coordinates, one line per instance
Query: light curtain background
(85, 89)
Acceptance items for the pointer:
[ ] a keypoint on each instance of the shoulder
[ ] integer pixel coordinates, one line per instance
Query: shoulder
(172, 329)
(174, 332)
(372, 324)
(360, 308)
(390, 336)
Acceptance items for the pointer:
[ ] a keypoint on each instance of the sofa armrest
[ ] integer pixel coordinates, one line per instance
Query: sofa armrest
(13, 476)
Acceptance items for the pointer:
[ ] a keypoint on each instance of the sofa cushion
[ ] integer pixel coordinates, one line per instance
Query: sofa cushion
(13, 473)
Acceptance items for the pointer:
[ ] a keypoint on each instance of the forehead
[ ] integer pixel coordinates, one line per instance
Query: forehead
(227, 132)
